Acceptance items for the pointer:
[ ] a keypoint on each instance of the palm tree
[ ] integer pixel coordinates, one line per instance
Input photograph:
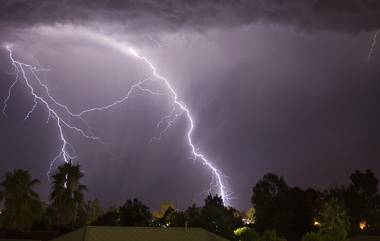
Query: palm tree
(22, 204)
(67, 194)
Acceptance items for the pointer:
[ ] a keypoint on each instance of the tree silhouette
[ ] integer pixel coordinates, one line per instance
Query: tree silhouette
(271, 235)
(67, 194)
(135, 213)
(266, 200)
(334, 221)
(214, 217)
(288, 210)
(164, 207)
(91, 211)
(313, 236)
(168, 216)
(110, 218)
(362, 199)
(175, 218)
(22, 204)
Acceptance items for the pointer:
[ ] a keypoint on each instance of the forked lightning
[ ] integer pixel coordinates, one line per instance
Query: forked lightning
(58, 111)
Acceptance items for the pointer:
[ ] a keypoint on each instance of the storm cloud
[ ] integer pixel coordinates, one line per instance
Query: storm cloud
(281, 86)
(334, 15)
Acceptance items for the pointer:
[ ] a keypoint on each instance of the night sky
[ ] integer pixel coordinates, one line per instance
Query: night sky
(273, 86)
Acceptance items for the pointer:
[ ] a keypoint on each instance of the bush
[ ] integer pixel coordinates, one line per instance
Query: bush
(313, 236)
(334, 221)
(271, 235)
(246, 234)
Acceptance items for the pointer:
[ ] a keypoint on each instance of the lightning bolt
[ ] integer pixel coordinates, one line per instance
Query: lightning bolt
(373, 45)
(178, 109)
(183, 109)
(21, 72)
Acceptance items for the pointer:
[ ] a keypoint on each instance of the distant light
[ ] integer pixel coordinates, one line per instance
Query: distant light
(248, 221)
(316, 223)
(363, 225)
(249, 216)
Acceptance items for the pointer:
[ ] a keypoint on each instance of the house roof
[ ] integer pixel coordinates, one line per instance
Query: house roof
(104, 233)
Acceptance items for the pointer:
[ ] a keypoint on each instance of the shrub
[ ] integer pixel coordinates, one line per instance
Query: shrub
(246, 234)
(334, 221)
(313, 236)
(271, 235)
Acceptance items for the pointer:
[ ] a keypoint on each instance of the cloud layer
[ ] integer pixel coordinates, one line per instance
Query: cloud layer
(333, 15)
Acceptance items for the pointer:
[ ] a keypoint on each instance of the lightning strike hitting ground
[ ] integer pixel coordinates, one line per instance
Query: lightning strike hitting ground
(183, 109)
(373, 45)
(178, 109)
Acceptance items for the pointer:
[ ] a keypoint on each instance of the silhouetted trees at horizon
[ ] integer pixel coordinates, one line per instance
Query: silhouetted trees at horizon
(288, 210)
(293, 212)
(278, 210)
(67, 198)
(22, 205)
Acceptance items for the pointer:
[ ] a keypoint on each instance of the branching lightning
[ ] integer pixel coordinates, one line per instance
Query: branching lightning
(373, 45)
(22, 69)
(179, 108)
(51, 104)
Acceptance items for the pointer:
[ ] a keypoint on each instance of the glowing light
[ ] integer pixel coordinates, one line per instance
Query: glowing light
(317, 223)
(363, 225)
(247, 221)
(250, 216)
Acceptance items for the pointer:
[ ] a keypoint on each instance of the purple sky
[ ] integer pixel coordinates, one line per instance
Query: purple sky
(273, 86)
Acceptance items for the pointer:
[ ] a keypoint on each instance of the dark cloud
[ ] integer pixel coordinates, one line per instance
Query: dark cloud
(336, 15)
(265, 98)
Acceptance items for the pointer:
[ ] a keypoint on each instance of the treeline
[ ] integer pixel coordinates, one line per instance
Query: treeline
(293, 212)
(67, 209)
(279, 212)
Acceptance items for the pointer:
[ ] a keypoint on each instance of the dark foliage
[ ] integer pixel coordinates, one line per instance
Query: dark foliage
(288, 210)
(22, 204)
(135, 213)
(67, 200)
(278, 209)
(214, 217)
(110, 218)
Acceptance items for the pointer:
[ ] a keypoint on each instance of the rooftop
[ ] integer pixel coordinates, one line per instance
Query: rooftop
(104, 233)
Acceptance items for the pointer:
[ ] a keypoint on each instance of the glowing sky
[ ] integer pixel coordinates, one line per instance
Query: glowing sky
(274, 86)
